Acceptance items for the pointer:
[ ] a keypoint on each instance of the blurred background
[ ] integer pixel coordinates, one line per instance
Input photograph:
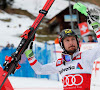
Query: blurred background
(16, 16)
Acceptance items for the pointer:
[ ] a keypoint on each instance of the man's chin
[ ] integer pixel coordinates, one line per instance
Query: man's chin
(71, 51)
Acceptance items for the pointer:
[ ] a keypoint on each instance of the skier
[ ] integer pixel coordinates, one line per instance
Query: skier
(75, 67)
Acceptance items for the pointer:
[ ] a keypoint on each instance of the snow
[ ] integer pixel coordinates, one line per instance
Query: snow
(22, 83)
(90, 5)
(33, 6)
(10, 34)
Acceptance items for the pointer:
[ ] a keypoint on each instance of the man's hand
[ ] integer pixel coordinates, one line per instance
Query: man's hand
(93, 19)
(94, 14)
(28, 51)
(29, 54)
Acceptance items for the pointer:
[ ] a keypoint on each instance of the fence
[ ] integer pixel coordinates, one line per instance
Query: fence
(44, 53)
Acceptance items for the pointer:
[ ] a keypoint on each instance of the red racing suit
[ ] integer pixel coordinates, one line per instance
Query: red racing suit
(76, 75)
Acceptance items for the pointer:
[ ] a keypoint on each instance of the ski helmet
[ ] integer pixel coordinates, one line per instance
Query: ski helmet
(65, 33)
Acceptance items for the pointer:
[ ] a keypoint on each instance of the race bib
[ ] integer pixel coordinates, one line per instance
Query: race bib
(77, 82)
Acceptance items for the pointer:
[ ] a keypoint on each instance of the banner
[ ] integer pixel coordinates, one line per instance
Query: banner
(83, 28)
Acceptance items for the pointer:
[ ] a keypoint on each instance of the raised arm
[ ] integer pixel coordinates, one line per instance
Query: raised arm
(49, 68)
(93, 19)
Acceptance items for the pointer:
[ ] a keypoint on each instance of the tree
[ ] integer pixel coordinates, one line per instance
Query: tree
(5, 3)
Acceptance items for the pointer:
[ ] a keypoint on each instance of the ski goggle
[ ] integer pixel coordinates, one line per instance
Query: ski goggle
(66, 57)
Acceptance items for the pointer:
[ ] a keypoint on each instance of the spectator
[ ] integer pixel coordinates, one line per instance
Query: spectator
(12, 45)
(90, 38)
(8, 45)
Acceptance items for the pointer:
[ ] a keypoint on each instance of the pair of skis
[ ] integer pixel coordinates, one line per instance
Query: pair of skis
(27, 37)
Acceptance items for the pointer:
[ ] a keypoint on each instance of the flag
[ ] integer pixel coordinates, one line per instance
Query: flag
(83, 28)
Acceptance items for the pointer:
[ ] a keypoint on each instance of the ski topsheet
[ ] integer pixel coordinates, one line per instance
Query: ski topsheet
(27, 37)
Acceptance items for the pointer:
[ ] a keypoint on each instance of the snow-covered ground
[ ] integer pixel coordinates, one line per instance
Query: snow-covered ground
(22, 83)
(33, 6)
(9, 31)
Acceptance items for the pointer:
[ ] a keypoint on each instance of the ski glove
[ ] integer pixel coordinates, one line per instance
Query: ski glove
(94, 14)
(28, 51)
(30, 55)
(93, 19)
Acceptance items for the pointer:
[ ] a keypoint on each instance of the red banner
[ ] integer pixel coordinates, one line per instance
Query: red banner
(83, 28)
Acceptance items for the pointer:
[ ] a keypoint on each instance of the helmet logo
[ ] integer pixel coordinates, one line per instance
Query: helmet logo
(68, 31)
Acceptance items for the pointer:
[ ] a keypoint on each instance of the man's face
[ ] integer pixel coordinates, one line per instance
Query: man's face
(70, 44)
(90, 38)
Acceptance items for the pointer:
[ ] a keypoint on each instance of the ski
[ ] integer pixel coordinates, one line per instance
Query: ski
(27, 37)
